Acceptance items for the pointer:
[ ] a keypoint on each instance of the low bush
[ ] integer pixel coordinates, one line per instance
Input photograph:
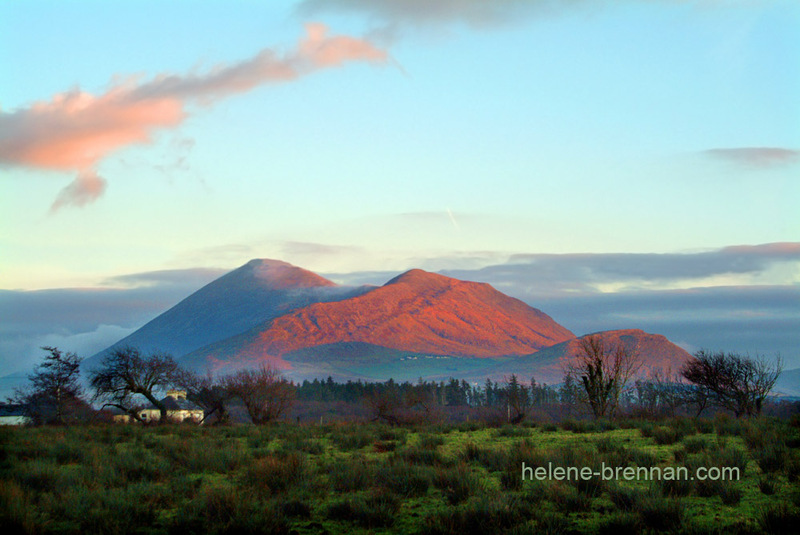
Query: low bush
(666, 435)
(695, 444)
(767, 485)
(350, 474)
(404, 478)
(274, 473)
(620, 523)
(660, 513)
(780, 519)
(457, 483)
(376, 509)
(478, 516)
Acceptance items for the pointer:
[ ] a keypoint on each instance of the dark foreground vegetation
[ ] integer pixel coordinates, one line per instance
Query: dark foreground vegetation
(373, 478)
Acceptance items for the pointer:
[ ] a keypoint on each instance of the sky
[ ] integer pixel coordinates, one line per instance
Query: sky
(631, 163)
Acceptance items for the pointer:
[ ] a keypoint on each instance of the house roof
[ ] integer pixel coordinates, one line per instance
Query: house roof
(12, 410)
(173, 404)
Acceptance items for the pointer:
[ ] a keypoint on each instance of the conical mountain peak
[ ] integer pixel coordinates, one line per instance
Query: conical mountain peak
(281, 275)
(421, 278)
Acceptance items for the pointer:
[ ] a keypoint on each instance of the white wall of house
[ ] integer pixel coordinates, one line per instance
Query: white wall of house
(13, 420)
(154, 415)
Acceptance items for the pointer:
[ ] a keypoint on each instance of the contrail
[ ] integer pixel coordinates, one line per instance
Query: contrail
(453, 219)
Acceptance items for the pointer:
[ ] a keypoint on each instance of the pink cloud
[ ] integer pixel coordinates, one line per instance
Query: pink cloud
(76, 130)
(86, 188)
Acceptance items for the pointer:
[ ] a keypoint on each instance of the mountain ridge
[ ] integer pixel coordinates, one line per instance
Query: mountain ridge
(417, 312)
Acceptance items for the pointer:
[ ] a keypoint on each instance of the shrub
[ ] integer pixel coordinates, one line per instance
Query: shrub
(704, 425)
(625, 498)
(404, 478)
(779, 519)
(422, 455)
(223, 509)
(675, 487)
(646, 429)
(729, 457)
(384, 446)
(620, 523)
(546, 523)
(729, 492)
(135, 465)
(17, 514)
(352, 438)
(37, 475)
(274, 473)
(456, 483)
(725, 425)
(395, 434)
(478, 516)
(642, 457)
(377, 509)
(568, 499)
(68, 452)
(660, 513)
(493, 459)
(512, 431)
(666, 435)
(430, 442)
(350, 474)
(767, 485)
(695, 444)
(296, 508)
(608, 445)
(772, 456)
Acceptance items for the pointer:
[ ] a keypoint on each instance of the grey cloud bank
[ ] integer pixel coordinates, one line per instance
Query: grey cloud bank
(757, 318)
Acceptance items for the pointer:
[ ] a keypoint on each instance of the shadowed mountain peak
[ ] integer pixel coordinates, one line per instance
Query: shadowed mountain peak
(256, 292)
(280, 275)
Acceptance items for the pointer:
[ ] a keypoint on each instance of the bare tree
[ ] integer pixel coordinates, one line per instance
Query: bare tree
(733, 381)
(55, 394)
(206, 392)
(385, 404)
(265, 394)
(603, 371)
(125, 374)
(663, 392)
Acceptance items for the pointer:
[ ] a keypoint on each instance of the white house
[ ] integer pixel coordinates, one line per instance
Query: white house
(179, 409)
(13, 415)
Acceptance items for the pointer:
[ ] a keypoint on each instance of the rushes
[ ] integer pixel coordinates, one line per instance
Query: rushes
(373, 478)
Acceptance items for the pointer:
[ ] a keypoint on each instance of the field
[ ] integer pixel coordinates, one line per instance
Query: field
(370, 478)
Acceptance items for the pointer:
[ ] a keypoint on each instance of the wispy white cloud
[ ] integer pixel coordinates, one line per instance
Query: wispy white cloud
(756, 157)
(75, 130)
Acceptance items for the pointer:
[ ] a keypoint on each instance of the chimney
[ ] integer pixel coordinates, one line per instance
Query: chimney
(176, 394)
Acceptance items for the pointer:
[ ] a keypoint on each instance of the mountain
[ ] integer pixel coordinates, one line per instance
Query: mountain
(256, 292)
(418, 324)
(547, 366)
(415, 314)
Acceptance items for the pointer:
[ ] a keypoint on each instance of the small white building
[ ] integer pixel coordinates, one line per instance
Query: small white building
(13, 415)
(179, 409)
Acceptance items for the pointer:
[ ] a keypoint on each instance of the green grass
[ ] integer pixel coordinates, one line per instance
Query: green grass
(370, 478)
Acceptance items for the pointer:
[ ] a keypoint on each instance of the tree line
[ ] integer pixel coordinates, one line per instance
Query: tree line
(602, 379)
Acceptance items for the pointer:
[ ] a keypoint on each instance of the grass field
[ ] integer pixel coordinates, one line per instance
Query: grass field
(369, 478)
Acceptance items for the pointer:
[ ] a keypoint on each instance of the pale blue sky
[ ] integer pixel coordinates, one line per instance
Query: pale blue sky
(572, 129)
(525, 128)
